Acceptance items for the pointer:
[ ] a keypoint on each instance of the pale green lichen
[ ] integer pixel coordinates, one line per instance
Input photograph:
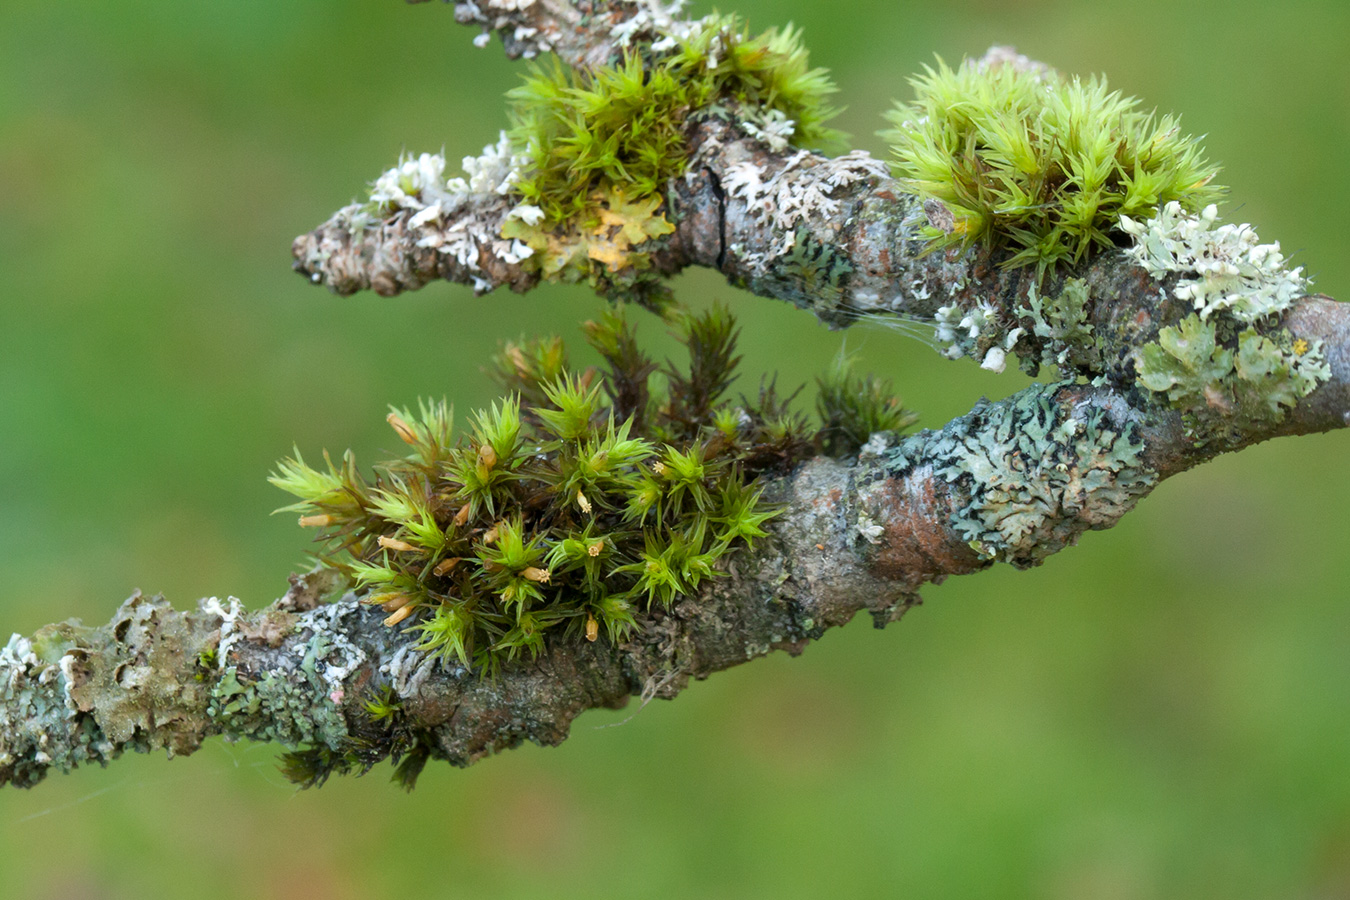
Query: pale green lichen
(1060, 326)
(1214, 383)
(1233, 272)
(1029, 474)
(73, 695)
(1229, 365)
(296, 698)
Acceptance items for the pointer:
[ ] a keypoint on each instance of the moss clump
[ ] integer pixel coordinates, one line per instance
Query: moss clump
(621, 129)
(1039, 165)
(770, 72)
(574, 504)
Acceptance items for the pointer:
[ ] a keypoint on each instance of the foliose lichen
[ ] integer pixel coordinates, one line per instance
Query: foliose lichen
(786, 198)
(1061, 330)
(72, 695)
(296, 699)
(1033, 472)
(1232, 272)
(1229, 364)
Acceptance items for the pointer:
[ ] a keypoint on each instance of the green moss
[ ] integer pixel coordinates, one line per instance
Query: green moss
(1036, 165)
(769, 72)
(585, 131)
(568, 513)
(622, 129)
(854, 407)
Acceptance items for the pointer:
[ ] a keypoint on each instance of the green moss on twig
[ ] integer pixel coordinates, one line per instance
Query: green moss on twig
(574, 504)
(1039, 165)
(621, 129)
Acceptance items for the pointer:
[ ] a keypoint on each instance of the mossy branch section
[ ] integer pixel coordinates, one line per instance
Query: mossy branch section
(1014, 480)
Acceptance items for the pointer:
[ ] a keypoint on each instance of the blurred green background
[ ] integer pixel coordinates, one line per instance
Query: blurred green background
(1161, 712)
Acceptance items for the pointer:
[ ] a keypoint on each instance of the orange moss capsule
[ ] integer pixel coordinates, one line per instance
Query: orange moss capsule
(402, 428)
(394, 544)
(592, 628)
(583, 503)
(462, 516)
(398, 616)
(322, 520)
(395, 602)
(444, 566)
(536, 574)
(595, 549)
(490, 536)
(487, 456)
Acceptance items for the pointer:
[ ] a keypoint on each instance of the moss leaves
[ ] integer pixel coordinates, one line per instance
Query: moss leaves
(577, 503)
(1037, 165)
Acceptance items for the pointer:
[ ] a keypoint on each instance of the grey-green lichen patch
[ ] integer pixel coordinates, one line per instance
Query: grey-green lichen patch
(1229, 386)
(1230, 364)
(73, 695)
(1041, 328)
(811, 274)
(1031, 473)
(295, 699)
(1060, 326)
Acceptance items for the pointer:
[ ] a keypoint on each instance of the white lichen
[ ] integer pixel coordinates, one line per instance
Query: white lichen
(1235, 273)
(229, 614)
(772, 127)
(960, 328)
(661, 25)
(798, 193)
(333, 654)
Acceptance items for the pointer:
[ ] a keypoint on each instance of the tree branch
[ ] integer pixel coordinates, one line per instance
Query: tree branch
(1012, 481)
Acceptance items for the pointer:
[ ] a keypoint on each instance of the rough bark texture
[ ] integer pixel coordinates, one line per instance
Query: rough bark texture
(1012, 481)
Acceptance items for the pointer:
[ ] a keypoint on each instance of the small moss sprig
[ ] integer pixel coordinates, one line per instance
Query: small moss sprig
(853, 407)
(771, 71)
(1039, 165)
(576, 503)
